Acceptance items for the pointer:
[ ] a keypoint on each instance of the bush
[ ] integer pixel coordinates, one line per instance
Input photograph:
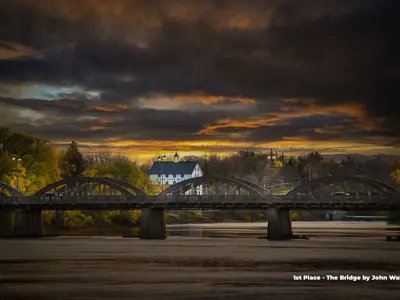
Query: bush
(247, 218)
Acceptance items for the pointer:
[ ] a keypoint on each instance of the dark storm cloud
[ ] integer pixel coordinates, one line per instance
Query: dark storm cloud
(72, 119)
(329, 51)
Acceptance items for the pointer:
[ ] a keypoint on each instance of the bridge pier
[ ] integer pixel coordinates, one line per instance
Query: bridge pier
(6, 222)
(152, 224)
(28, 223)
(279, 224)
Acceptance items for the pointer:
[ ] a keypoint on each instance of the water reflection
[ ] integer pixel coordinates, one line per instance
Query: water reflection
(259, 230)
(185, 231)
(218, 230)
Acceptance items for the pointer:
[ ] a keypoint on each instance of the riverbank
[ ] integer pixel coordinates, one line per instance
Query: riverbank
(193, 268)
(83, 268)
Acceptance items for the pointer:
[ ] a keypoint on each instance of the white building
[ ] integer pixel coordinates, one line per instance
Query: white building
(168, 173)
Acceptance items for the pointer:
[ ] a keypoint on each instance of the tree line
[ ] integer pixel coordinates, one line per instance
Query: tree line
(30, 163)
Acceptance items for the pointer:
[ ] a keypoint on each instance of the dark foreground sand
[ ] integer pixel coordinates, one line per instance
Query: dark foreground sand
(196, 268)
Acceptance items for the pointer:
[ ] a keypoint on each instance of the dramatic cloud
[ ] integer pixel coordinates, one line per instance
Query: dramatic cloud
(205, 75)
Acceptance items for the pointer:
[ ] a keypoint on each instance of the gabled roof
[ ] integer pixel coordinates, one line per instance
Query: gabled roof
(170, 167)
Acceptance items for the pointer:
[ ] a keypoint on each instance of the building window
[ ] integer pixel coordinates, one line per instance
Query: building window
(182, 175)
(174, 182)
(174, 175)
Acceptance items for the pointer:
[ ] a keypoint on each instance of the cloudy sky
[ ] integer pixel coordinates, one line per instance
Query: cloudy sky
(148, 77)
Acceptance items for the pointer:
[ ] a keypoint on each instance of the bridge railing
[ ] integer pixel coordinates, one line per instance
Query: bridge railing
(195, 199)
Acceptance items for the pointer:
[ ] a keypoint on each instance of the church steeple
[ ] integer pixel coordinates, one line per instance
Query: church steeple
(176, 157)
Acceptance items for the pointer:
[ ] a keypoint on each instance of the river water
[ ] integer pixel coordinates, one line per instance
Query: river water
(259, 229)
(218, 261)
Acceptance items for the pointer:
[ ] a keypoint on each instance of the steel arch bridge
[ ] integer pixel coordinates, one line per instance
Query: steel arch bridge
(9, 191)
(215, 185)
(126, 185)
(120, 191)
(320, 182)
(76, 186)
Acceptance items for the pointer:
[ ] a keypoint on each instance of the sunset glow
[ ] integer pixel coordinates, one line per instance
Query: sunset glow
(129, 78)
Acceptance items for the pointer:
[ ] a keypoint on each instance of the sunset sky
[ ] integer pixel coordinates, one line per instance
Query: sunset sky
(141, 78)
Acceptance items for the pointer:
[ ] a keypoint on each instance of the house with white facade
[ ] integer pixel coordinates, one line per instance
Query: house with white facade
(168, 173)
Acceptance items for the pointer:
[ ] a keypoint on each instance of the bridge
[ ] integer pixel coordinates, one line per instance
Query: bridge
(100, 193)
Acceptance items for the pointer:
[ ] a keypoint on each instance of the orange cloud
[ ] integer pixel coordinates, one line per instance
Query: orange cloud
(356, 113)
(209, 99)
(332, 129)
(351, 109)
(115, 108)
(12, 50)
(96, 127)
(230, 123)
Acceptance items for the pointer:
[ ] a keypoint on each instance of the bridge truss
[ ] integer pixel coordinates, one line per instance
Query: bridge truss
(8, 190)
(321, 186)
(90, 186)
(216, 193)
(214, 185)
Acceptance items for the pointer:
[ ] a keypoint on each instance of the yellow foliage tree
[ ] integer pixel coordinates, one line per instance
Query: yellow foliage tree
(278, 164)
(396, 175)
(17, 179)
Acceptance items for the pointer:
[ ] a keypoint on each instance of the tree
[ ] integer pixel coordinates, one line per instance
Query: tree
(314, 158)
(396, 176)
(4, 134)
(72, 162)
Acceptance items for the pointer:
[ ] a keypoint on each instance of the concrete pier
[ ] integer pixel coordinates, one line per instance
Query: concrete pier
(6, 223)
(152, 224)
(279, 224)
(28, 223)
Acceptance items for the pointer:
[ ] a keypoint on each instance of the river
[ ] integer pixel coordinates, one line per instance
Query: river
(259, 229)
(234, 264)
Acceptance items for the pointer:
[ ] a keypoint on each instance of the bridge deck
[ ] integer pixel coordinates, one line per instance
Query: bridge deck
(363, 202)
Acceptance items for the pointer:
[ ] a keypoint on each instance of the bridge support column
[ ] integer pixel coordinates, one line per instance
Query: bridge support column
(6, 223)
(28, 223)
(152, 224)
(279, 224)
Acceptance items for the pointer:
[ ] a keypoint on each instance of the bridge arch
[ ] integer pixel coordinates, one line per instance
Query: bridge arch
(6, 189)
(84, 186)
(388, 187)
(257, 187)
(205, 181)
(317, 183)
(126, 185)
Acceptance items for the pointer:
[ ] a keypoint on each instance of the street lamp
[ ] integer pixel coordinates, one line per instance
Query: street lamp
(17, 160)
(268, 178)
(271, 157)
(162, 158)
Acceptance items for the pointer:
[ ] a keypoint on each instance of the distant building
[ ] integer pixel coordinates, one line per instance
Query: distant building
(172, 172)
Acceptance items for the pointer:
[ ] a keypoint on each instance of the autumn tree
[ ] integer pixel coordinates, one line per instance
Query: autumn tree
(72, 162)
(396, 176)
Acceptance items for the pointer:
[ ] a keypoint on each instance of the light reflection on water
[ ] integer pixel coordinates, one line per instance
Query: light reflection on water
(185, 232)
(259, 230)
(218, 230)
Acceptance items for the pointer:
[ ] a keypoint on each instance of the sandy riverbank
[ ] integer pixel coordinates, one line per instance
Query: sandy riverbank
(195, 268)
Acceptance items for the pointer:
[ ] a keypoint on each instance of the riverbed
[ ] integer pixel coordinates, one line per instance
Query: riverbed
(231, 266)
